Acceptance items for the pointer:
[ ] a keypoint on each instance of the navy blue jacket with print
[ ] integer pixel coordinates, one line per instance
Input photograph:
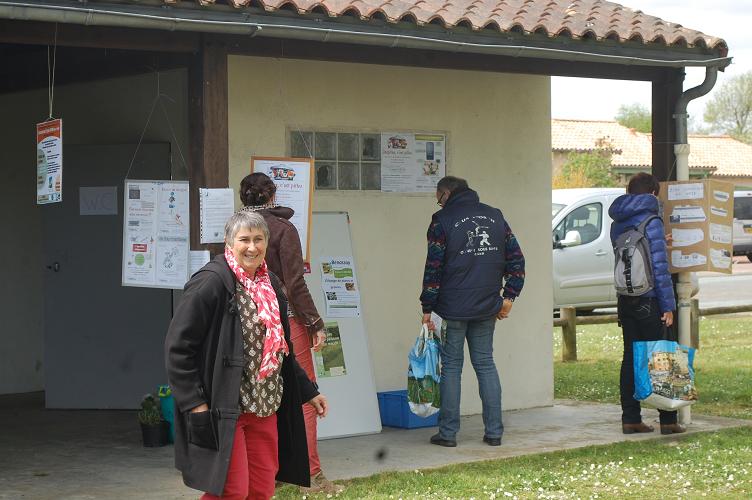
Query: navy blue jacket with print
(629, 211)
(473, 267)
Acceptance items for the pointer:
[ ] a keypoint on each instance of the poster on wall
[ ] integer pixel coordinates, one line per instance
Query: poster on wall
(412, 163)
(156, 236)
(216, 206)
(294, 180)
(330, 360)
(340, 287)
(50, 162)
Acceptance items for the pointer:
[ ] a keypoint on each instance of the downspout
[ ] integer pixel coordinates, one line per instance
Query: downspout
(681, 150)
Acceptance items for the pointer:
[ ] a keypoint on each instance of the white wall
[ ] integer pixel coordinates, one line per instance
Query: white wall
(498, 129)
(105, 112)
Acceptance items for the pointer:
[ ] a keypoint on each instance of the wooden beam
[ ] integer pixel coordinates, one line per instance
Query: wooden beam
(666, 91)
(368, 54)
(75, 35)
(208, 129)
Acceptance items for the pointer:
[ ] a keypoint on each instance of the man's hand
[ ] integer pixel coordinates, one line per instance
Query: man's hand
(200, 408)
(322, 407)
(319, 340)
(429, 322)
(506, 307)
(668, 318)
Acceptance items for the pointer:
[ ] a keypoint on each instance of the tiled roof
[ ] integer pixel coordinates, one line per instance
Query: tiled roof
(577, 19)
(726, 156)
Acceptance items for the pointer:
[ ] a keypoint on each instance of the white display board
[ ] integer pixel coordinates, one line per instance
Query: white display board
(156, 234)
(354, 408)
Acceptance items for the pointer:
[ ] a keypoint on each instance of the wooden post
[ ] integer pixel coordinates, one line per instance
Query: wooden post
(666, 91)
(568, 333)
(695, 320)
(207, 111)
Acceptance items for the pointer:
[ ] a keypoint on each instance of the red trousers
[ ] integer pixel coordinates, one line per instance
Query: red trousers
(254, 462)
(301, 343)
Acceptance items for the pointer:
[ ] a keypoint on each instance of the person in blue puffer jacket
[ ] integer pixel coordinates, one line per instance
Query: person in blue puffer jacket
(643, 317)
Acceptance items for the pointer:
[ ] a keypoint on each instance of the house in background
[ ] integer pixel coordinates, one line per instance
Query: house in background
(720, 157)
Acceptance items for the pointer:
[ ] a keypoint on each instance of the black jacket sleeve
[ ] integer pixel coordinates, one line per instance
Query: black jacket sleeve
(188, 329)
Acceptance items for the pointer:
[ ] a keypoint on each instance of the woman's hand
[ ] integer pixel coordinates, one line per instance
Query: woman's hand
(322, 407)
(668, 318)
(319, 340)
(506, 307)
(200, 408)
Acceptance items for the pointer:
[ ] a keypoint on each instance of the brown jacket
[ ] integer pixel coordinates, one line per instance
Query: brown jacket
(284, 257)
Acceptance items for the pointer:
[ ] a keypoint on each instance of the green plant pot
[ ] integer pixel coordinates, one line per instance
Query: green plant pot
(155, 435)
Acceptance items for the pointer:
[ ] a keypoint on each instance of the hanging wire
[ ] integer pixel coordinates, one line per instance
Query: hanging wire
(51, 74)
(158, 100)
(287, 112)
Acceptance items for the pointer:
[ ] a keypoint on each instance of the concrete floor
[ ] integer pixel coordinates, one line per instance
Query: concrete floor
(98, 454)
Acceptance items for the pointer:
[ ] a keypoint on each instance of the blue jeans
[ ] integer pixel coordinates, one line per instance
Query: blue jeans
(479, 335)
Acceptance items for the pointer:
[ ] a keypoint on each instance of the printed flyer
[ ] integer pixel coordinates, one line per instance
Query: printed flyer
(156, 234)
(294, 180)
(340, 286)
(215, 207)
(330, 360)
(412, 163)
(50, 162)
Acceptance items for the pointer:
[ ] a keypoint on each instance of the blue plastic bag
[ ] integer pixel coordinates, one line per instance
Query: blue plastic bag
(424, 375)
(664, 374)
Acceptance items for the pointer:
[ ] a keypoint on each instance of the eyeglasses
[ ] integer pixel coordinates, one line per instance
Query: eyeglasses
(441, 199)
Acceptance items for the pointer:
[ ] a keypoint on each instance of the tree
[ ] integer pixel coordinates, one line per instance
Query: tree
(592, 169)
(729, 111)
(635, 116)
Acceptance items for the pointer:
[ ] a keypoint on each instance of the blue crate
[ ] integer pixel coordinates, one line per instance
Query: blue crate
(395, 412)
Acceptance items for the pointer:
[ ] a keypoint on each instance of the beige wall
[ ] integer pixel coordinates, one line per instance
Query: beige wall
(106, 112)
(498, 138)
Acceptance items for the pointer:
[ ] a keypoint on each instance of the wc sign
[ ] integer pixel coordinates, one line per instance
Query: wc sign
(98, 200)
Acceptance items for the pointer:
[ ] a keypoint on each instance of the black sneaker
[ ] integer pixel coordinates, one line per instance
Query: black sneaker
(437, 439)
(492, 441)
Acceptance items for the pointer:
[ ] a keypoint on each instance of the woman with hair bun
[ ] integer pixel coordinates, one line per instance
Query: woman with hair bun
(284, 257)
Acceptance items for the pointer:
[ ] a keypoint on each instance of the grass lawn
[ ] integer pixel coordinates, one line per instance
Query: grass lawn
(707, 465)
(723, 366)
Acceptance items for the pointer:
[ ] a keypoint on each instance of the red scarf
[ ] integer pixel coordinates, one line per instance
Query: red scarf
(261, 291)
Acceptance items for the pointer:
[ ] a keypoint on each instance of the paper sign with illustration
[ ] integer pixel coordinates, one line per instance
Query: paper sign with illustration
(340, 286)
(685, 191)
(686, 237)
(721, 196)
(678, 259)
(720, 258)
(720, 212)
(330, 360)
(412, 163)
(687, 213)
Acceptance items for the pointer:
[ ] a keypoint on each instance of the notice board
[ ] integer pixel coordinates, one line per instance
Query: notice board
(349, 383)
(698, 214)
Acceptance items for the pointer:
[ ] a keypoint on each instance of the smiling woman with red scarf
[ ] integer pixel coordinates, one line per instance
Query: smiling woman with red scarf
(237, 387)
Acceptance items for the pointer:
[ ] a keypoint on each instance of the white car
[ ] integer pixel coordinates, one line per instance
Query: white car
(583, 258)
(743, 223)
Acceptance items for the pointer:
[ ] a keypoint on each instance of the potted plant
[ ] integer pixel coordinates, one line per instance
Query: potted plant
(154, 429)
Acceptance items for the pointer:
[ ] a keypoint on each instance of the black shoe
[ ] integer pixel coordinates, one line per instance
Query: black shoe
(437, 439)
(492, 441)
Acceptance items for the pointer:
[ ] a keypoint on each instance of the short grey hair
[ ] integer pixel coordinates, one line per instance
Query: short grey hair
(244, 220)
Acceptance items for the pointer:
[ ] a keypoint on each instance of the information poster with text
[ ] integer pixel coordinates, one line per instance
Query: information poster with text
(156, 236)
(340, 287)
(50, 162)
(412, 163)
(330, 360)
(294, 180)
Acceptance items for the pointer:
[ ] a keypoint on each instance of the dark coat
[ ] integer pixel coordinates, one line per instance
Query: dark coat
(204, 354)
(629, 211)
(473, 268)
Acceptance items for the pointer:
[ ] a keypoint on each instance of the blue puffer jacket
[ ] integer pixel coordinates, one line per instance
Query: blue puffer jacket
(630, 210)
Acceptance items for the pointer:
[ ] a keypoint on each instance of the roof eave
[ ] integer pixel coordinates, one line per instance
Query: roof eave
(376, 33)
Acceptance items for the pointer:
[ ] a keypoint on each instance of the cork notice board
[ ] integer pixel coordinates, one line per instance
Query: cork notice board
(698, 214)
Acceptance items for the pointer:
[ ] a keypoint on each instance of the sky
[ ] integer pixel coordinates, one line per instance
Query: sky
(591, 99)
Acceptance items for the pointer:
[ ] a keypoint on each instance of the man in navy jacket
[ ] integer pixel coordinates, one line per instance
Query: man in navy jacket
(472, 254)
(643, 317)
